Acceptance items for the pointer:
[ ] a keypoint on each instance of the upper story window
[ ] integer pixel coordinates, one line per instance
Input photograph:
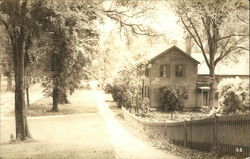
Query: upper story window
(179, 70)
(165, 70)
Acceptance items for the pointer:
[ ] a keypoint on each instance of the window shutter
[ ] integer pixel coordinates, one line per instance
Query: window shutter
(146, 72)
(148, 92)
(142, 91)
(183, 71)
(161, 70)
(176, 70)
(168, 70)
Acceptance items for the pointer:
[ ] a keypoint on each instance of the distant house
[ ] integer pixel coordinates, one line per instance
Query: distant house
(174, 66)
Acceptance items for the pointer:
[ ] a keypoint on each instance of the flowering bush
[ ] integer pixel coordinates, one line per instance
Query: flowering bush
(233, 95)
(143, 107)
(172, 97)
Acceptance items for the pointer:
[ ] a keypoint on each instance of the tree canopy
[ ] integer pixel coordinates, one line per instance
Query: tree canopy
(66, 46)
(211, 24)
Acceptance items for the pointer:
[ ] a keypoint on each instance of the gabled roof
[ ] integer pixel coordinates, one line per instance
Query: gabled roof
(176, 49)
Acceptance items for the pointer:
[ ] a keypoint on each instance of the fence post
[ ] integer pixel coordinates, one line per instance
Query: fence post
(215, 123)
(185, 133)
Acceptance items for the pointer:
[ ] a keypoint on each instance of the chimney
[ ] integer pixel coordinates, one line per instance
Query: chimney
(188, 41)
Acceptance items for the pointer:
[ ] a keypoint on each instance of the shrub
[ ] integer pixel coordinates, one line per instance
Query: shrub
(117, 92)
(126, 91)
(172, 97)
(233, 95)
(143, 107)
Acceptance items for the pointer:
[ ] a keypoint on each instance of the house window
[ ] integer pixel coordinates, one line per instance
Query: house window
(179, 70)
(165, 70)
(147, 72)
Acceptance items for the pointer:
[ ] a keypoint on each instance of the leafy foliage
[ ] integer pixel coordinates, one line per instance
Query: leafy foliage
(233, 95)
(67, 44)
(5, 51)
(126, 90)
(172, 97)
(211, 24)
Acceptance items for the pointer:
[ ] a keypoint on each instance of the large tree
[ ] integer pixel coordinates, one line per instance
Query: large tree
(218, 27)
(66, 45)
(14, 16)
(22, 29)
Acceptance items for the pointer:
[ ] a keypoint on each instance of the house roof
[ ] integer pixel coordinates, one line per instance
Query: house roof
(176, 49)
(224, 68)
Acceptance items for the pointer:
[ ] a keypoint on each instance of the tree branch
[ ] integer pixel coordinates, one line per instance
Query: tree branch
(198, 39)
(242, 19)
(118, 16)
(233, 35)
(227, 52)
(234, 46)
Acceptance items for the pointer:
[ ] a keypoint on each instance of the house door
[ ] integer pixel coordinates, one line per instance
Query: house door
(205, 98)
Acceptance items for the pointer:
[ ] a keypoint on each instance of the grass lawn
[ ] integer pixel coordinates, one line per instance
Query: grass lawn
(79, 103)
(62, 137)
(76, 136)
(43, 107)
(42, 150)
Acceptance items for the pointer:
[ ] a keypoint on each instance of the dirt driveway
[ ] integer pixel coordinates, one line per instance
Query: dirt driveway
(80, 136)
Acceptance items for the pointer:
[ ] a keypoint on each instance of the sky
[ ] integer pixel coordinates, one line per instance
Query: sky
(163, 21)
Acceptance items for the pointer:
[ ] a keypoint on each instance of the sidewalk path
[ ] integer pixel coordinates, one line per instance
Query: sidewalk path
(126, 145)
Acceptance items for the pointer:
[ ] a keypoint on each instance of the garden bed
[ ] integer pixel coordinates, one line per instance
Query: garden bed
(178, 116)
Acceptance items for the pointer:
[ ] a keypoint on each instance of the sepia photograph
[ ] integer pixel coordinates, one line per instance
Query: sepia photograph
(124, 79)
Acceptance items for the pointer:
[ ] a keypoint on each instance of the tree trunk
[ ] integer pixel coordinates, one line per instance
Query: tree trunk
(27, 95)
(22, 130)
(55, 99)
(213, 46)
(62, 98)
(9, 82)
(212, 84)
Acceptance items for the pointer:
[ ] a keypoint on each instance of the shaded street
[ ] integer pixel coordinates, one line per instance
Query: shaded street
(89, 135)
